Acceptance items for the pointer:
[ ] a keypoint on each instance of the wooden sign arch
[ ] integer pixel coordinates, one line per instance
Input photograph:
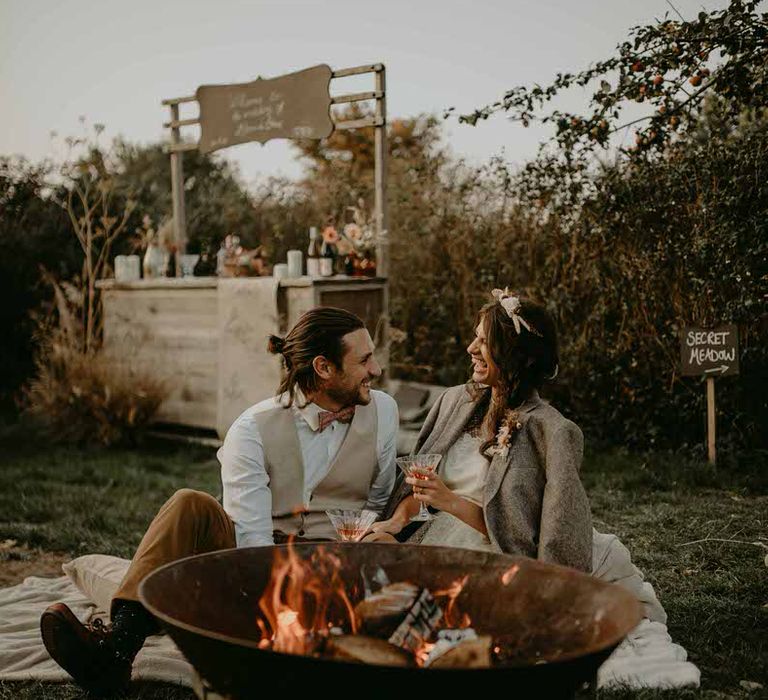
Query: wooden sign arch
(293, 106)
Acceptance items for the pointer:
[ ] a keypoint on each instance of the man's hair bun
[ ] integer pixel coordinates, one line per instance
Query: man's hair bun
(276, 344)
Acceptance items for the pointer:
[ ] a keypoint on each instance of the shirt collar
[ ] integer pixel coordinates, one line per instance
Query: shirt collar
(311, 414)
(308, 411)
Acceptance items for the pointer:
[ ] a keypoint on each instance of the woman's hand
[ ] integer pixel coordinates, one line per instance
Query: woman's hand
(430, 489)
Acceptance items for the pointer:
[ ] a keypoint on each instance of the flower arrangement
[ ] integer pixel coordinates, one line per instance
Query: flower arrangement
(359, 234)
(356, 244)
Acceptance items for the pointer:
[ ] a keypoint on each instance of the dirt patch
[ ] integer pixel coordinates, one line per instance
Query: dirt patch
(16, 563)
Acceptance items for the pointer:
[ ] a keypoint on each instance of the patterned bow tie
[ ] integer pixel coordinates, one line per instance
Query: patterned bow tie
(345, 415)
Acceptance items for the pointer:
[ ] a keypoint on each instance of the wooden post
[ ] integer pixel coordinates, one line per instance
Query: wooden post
(711, 419)
(379, 175)
(177, 192)
(381, 209)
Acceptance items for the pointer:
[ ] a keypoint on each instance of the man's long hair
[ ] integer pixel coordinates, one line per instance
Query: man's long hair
(318, 332)
(525, 361)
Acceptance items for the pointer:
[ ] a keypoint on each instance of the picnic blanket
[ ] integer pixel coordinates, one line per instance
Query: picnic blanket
(646, 659)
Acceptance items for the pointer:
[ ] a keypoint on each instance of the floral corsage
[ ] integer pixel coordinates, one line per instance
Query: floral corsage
(510, 425)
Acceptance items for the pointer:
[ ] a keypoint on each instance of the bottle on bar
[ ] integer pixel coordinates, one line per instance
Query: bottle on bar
(327, 259)
(170, 268)
(313, 253)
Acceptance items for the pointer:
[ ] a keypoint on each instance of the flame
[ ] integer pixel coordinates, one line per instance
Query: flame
(509, 574)
(422, 652)
(451, 613)
(304, 598)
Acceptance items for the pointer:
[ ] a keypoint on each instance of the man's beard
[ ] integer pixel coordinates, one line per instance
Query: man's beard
(347, 395)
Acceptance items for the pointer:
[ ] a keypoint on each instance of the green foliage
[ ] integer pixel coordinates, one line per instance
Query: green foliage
(216, 201)
(34, 233)
(77, 394)
(442, 217)
(680, 241)
(669, 232)
(672, 66)
(623, 253)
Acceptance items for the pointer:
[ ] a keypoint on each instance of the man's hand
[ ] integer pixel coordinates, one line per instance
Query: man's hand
(391, 526)
(379, 537)
(430, 489)
(384, 530)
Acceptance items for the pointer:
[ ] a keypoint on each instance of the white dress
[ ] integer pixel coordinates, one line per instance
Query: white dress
(463, 470)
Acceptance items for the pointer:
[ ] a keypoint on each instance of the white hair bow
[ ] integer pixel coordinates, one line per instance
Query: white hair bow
(511, 304)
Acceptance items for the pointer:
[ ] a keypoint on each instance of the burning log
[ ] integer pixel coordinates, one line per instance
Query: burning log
(367, 650)
(380, 614)
(419, 624)
(470, 653)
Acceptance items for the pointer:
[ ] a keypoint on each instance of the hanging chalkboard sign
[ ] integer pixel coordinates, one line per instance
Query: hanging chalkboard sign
(712, 352)
(294, 106)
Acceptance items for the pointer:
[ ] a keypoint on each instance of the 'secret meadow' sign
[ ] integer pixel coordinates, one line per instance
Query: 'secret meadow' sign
(294, 106)
(711, 352)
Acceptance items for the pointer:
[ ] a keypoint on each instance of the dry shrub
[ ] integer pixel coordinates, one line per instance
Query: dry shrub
(83, 396)
(88, 399)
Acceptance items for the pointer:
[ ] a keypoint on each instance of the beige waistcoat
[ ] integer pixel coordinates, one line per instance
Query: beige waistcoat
(346, 485)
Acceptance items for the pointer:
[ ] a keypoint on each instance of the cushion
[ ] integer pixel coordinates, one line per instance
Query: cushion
(97, 577)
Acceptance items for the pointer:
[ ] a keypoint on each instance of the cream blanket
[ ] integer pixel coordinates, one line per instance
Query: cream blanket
(646, 659)
(23, 656)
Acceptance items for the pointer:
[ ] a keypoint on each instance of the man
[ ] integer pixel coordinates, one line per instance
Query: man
(326, 440)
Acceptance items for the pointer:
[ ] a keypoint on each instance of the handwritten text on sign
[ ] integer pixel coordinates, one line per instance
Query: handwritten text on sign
(293, 106)
(713, 352)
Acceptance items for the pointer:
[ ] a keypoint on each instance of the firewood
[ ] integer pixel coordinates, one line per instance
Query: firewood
(471, 653)
(367, 650)
(381, 613)
(419, 623)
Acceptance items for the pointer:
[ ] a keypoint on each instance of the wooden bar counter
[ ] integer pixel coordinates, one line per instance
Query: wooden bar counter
(206, 337)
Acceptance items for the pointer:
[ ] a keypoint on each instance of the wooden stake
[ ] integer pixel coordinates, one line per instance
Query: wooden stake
(711, 419)
(177, 191)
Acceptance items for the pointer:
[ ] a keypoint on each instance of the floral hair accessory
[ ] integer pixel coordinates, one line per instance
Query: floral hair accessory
(511, 304)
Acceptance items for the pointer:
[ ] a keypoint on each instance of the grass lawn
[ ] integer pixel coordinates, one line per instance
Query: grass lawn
(70, 502)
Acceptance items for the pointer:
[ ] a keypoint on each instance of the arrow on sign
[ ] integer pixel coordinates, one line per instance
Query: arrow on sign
(722, 369)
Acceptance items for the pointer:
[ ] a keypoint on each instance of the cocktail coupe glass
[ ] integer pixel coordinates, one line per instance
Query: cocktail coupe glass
(418, 466)
(351, 525)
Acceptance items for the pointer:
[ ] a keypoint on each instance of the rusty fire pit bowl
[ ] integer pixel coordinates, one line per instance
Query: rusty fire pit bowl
(567, 623)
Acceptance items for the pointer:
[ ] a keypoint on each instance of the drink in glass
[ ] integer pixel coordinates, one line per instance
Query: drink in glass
(351, 525)
(419, 467)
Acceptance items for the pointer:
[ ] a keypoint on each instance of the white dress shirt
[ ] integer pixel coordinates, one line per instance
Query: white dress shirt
(247, 497)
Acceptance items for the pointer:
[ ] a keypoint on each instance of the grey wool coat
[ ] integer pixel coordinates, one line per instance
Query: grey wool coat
(533, 500)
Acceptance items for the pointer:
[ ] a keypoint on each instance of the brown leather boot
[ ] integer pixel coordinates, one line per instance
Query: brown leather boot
(85, 652)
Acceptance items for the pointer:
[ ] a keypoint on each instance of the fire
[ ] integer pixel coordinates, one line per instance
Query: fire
(451, 614)
(306, 600)
(303, 599)
(423, 652)
(509, 574)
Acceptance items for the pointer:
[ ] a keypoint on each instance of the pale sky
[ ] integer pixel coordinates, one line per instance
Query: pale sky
(113, 62)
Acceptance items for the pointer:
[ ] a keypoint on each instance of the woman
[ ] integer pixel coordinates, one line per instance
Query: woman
(509, 477)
